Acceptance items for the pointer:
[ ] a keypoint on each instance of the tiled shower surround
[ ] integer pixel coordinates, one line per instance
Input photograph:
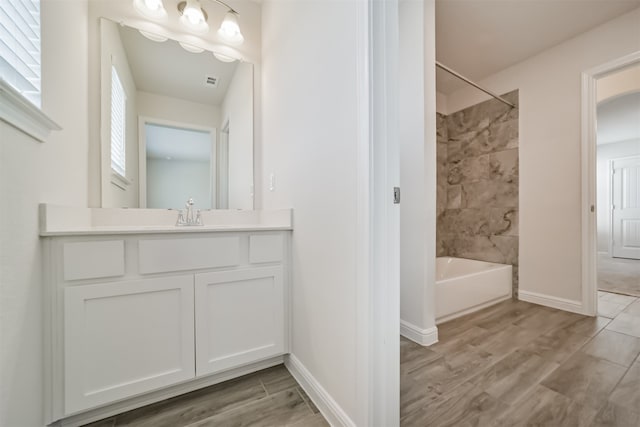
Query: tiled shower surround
(477, 198)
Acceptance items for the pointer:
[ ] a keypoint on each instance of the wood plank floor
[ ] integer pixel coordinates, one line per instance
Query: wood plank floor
(520, 364)
(267, 398)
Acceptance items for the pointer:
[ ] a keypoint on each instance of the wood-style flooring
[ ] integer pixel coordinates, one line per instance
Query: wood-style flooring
(520, 364)
(267, 398)
(619, 275)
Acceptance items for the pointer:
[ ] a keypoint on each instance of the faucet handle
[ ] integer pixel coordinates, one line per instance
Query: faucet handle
(181, 220)
(198, 218)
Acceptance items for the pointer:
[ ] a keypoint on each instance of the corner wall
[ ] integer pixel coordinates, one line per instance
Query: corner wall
(549, 87)
(310, 133)
(31, 173)
(417, 143)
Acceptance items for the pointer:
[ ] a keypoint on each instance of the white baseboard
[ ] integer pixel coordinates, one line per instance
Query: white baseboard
(423, 337)
(551, 301)
(329, 408)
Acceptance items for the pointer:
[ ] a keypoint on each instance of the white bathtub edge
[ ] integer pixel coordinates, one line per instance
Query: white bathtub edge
(424, 337)
(572, 306)
(473, 309)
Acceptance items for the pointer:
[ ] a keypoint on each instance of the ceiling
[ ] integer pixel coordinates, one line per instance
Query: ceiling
(167, 69)
(619, 119)
(478, 38)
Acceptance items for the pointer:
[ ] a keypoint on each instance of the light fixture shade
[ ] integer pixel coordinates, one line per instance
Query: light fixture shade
(230, 30)
(191, 48)
(150, 8)
(223, 58)
(154, 37)
(193, 16)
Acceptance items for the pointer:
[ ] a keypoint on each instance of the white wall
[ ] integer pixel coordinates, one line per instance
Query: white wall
(606, 153)
(310, 73)
(619, 83)
(31, 173)
(417, 150)
(550, 147)
(237, 111)
(441, 103)
(113, 54)
(178, 110)
(171, 182)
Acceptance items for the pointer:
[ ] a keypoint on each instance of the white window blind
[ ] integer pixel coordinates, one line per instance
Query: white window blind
(20, 47)
(118, 124)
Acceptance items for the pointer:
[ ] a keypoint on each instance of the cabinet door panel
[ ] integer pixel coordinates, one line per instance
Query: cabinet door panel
(239, 318)
(126, 338)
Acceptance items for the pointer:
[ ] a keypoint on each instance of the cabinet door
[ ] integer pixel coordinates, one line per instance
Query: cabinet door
(239, 318)
(126, 338)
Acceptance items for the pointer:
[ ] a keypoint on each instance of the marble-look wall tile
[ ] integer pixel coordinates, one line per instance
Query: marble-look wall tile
(504, 165)
(489, 194)
(454, 197)
(469, 169)
(442, 170)
(478, 184)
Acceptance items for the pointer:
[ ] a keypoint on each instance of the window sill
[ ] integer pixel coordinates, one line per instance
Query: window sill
(17, 111)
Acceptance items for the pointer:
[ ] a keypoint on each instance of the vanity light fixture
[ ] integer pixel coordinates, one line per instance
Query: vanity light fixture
(230, 30)
(193, 16)
(153, 9)
(223, 58)
(191, 48)
(154, 37)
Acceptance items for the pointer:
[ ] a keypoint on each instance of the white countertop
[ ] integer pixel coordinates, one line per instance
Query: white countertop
(69, 221)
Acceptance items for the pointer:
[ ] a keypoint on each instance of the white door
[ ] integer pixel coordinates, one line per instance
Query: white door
(126, 338)
(626, 208)
(239, 318)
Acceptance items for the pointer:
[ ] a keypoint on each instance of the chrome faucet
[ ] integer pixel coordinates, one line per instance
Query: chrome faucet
(189, 215)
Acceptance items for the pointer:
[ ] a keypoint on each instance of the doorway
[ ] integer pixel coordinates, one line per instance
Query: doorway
(177, 161)
(611, 184)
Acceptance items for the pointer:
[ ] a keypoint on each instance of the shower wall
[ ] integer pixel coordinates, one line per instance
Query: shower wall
(477, 194)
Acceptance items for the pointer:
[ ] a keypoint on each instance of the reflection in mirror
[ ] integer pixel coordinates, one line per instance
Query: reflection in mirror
(178, 170)
(189, 124)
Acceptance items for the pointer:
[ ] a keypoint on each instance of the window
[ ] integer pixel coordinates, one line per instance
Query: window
(118, 124)
(20, 47)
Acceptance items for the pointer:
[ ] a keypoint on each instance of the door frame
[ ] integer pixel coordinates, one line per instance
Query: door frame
(589, 158)
(142, 154)
(378, 224)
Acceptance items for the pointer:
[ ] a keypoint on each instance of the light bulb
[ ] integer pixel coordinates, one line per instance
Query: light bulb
(150, 8)
(230, 30)
(153, 4)
(193, 16)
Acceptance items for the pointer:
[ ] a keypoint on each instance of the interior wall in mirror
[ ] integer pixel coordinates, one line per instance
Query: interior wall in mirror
(189, 124)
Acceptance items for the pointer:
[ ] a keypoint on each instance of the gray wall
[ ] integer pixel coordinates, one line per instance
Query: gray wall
(478, 183)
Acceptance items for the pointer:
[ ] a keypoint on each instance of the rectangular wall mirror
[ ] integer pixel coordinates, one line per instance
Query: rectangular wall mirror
(176, 123)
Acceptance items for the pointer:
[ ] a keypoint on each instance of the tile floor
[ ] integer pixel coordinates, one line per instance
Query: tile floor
(520, 364)
(619, 275)
(270, 397)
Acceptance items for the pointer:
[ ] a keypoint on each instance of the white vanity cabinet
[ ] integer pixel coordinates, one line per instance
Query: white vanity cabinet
(125, 338)
(238, 317)
(134, 318)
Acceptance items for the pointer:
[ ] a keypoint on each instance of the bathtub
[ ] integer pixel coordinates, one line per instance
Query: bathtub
(464, 286)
